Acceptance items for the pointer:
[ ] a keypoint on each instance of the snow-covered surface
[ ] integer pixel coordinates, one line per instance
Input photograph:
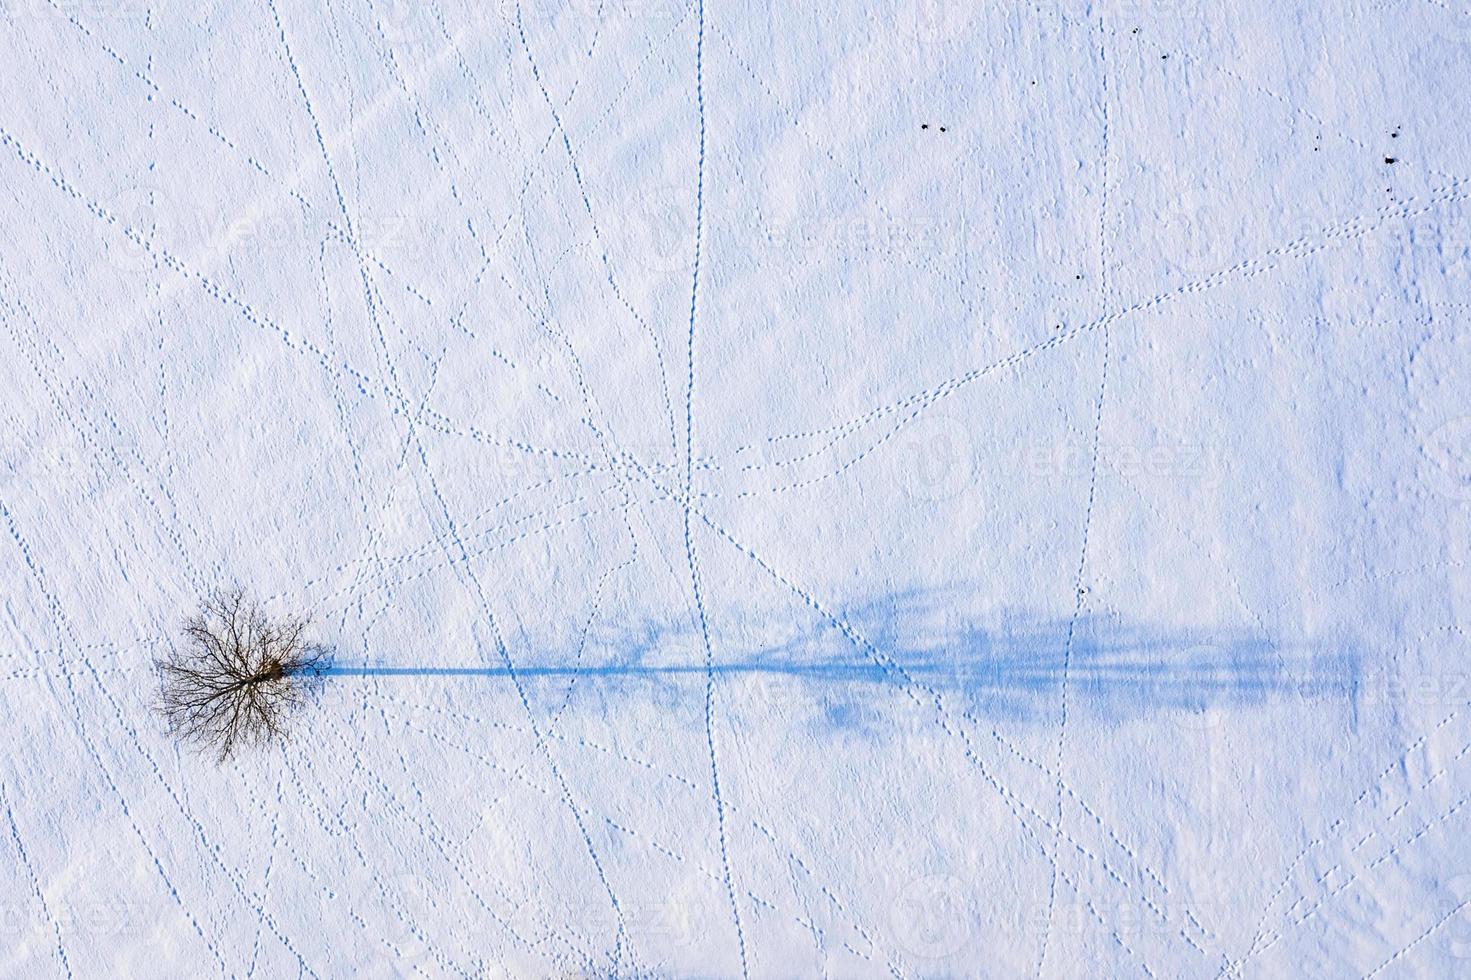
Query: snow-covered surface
(916, 489)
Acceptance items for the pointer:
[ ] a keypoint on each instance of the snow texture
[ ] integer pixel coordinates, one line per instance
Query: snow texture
(915, 489)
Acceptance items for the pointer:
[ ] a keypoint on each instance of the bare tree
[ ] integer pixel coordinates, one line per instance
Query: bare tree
(238, 675)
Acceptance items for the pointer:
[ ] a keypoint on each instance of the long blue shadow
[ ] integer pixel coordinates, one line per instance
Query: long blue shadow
(1013, 664)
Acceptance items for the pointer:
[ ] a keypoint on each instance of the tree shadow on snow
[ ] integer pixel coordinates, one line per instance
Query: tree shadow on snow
(1007, 664)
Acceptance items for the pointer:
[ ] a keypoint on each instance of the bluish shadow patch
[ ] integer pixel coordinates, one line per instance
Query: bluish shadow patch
(1010, 665)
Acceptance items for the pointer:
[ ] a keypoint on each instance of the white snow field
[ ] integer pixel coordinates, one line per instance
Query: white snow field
(925, 489)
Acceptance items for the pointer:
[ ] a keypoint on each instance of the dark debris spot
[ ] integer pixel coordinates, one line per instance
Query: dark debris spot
(1391, 159)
